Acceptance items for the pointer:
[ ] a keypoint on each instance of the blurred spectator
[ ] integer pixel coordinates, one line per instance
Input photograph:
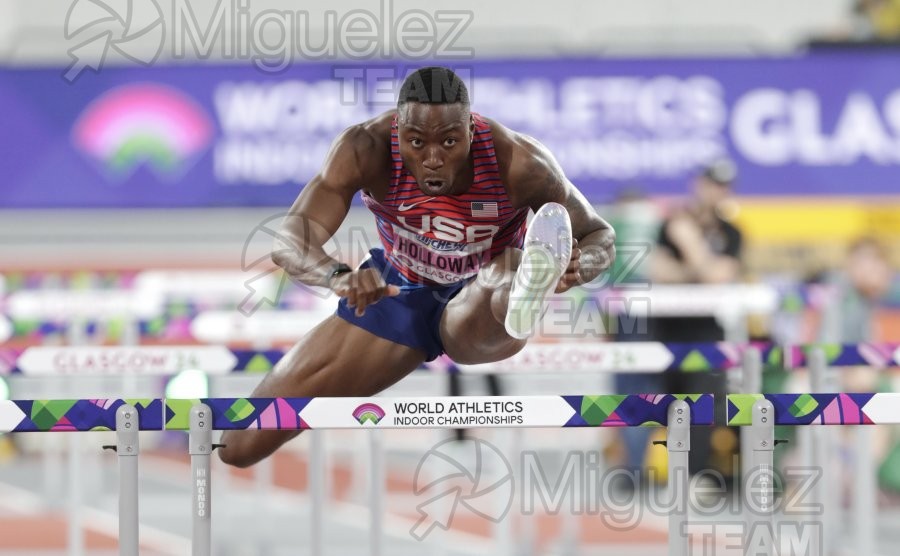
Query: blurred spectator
(864, 280)
(696, 245)
(850, 318)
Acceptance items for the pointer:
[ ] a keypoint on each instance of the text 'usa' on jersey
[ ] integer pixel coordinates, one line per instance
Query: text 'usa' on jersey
(446, 239)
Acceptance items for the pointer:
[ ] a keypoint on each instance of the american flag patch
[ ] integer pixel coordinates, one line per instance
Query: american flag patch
(484, 210)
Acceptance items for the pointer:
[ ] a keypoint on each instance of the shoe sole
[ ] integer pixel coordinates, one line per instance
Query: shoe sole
(540, 269)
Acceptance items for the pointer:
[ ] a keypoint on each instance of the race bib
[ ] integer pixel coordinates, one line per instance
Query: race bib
(438, 260)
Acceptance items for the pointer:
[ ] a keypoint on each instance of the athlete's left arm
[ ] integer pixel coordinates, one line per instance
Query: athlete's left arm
(535, 178)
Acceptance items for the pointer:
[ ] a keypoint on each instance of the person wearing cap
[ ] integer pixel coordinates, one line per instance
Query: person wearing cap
(698, 245)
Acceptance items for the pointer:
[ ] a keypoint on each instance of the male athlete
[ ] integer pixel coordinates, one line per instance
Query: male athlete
(451, 192)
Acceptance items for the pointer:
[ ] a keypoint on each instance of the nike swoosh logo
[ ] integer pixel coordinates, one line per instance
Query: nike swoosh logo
(404, 208)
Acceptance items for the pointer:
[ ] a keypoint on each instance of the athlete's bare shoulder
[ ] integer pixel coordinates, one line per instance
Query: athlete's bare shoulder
(361, 156)
(527, 168)
(533, 177)
(378, 131)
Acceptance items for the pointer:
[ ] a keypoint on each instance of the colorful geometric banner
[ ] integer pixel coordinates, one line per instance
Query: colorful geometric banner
(819, 409)
(442, 412)
(75, 415)
(719, 356)
(241, 413)
(869, 354)
(445, 412)
(178, 413)
(642, 410)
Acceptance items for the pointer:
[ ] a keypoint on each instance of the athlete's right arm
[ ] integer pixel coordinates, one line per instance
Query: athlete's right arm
(355, 159)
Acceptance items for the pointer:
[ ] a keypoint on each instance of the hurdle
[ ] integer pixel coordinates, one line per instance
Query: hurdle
(126, 417)
(55, 361)
(200, 416)
(593, 357)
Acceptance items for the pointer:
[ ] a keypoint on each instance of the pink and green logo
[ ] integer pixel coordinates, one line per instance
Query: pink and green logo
(368, 413)
(143, 124)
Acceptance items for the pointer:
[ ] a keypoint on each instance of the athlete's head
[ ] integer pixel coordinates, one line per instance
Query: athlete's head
(435, 129)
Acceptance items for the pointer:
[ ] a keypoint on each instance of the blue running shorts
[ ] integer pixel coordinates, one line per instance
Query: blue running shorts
(412, 318)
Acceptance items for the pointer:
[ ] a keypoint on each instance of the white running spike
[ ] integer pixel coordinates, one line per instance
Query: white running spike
(547, 250)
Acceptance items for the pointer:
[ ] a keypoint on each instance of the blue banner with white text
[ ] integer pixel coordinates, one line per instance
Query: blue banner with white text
(224, 136)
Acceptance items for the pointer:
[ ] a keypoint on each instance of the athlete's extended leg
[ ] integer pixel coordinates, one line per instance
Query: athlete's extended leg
(491, 318)
(335, 359)
(472, 324)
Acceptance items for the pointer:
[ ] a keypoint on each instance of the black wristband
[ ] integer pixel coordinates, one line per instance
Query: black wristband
(339, 269)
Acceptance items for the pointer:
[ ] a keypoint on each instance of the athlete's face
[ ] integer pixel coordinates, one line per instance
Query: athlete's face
(434, 144)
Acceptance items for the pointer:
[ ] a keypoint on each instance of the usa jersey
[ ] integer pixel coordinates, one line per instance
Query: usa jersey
(446, 239)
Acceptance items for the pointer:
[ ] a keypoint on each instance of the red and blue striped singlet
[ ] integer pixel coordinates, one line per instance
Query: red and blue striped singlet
(446, 239)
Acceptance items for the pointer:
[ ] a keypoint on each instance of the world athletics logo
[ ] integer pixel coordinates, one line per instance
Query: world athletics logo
(143, 124)
(368, 413)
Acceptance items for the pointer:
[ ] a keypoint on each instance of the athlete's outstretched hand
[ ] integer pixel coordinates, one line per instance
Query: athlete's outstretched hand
(362, 288)
(571, 277)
